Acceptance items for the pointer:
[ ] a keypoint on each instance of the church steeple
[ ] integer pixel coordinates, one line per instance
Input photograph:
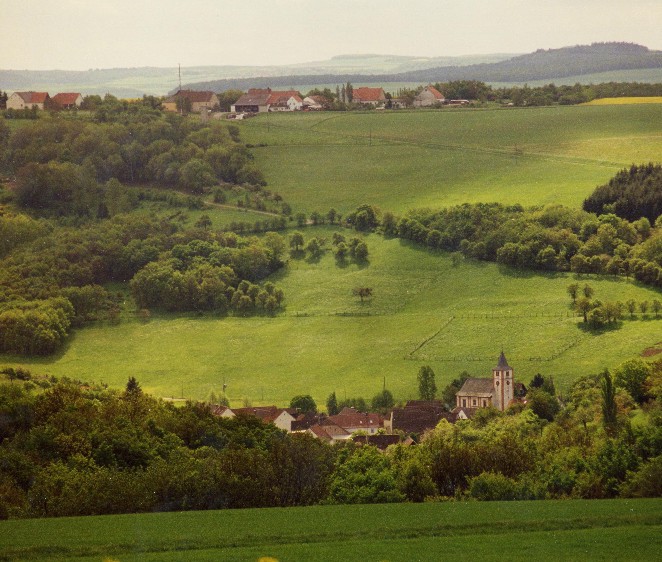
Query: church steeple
(503, 364)
(502, 384)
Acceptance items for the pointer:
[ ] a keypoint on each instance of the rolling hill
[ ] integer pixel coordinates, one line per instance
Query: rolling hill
(549, 65)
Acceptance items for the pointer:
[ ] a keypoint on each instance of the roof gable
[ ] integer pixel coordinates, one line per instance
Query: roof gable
(66, 98)
(368, 94)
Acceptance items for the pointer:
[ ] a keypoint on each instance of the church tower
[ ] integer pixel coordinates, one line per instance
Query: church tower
(502, 383)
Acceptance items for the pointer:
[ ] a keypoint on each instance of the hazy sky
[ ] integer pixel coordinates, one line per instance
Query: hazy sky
(82, 34)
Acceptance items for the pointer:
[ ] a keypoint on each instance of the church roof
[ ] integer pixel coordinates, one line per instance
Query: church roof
(503, 363)
(477, 387)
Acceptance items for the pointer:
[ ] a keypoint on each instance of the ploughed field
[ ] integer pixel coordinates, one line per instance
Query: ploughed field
(549, 530)
(425, 310)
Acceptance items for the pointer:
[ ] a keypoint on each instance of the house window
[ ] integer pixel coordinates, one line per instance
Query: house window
(473, 402)
(464, 402)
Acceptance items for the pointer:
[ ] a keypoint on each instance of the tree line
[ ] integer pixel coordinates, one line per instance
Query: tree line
(72, 449)
(168, 267)
(74, 166)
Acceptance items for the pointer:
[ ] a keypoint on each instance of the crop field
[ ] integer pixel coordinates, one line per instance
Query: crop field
(549, 530)
(424, 311)
(625, 101)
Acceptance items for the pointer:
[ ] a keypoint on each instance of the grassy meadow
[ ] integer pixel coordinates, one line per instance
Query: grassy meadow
(550, 530)
(625, 101)
(425, 310)
(403, 159)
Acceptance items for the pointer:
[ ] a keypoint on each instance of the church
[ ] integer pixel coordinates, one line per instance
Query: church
(496, 392)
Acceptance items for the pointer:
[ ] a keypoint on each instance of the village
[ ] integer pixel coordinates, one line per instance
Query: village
(399, 425)
(254, 101)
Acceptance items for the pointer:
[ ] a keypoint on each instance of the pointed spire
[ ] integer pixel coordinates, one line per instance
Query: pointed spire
(503, 364)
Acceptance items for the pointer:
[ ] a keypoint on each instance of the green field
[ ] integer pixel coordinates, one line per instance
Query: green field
(550, 530)
(403, 159)
(424, 310)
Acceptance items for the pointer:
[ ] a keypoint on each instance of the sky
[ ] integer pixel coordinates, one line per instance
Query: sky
(84, 34)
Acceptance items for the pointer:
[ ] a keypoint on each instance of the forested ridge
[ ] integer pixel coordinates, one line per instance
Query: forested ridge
(539, 65)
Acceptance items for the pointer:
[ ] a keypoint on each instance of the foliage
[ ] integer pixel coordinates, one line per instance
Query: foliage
(303, 403)
(363, 475)
(427, 388)
(632, 193)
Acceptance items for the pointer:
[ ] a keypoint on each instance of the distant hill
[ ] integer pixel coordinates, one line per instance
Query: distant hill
(134, 82)
(548, 64)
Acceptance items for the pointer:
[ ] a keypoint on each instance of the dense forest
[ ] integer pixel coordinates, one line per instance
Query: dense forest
(73, 449)
(77, 182)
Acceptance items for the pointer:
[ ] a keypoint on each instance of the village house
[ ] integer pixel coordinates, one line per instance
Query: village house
(68, 100)
(199, 101)
(347, 422)
(282, 418)
(417, 417)
(261, 100)
(496, 392)
(428, 97)
(368, 96)
(28, 100)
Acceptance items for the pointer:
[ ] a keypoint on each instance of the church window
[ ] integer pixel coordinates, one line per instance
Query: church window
(473, 402)
(497, 383)
(508, 383)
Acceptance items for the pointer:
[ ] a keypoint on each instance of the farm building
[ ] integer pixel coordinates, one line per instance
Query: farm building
(28, 100)
(428, 97)
(68, 100)
(496, 392)
(261, 100)
(198, 100)
(368, 96)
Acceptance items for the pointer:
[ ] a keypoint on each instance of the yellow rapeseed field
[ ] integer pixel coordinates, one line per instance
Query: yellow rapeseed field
(624, 101)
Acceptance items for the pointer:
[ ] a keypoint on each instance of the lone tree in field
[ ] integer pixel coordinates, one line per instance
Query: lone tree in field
(656, 306)
(588, 291)
(363, 292)
(573, 291)
(296, 241)
(427, 388)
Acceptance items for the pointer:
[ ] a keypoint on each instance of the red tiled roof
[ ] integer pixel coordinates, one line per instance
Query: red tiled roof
(67, 98)
(33, 97)
(368, 94)
(436, 93)
(350, 418)
(275, 97)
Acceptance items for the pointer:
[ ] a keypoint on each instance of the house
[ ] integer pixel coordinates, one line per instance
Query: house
(28, 100)
(315, 103)
(261, 100)
(352, 420)
(69, 100)
(329, 432)
(222, 411)
(280, 417)
(496, 392)
(381, 440)
(199, 101)
(428, 97)
(417, 416)
(368, 96)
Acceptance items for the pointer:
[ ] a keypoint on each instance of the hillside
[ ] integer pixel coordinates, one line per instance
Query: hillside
(547, 65)
(134, 82)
